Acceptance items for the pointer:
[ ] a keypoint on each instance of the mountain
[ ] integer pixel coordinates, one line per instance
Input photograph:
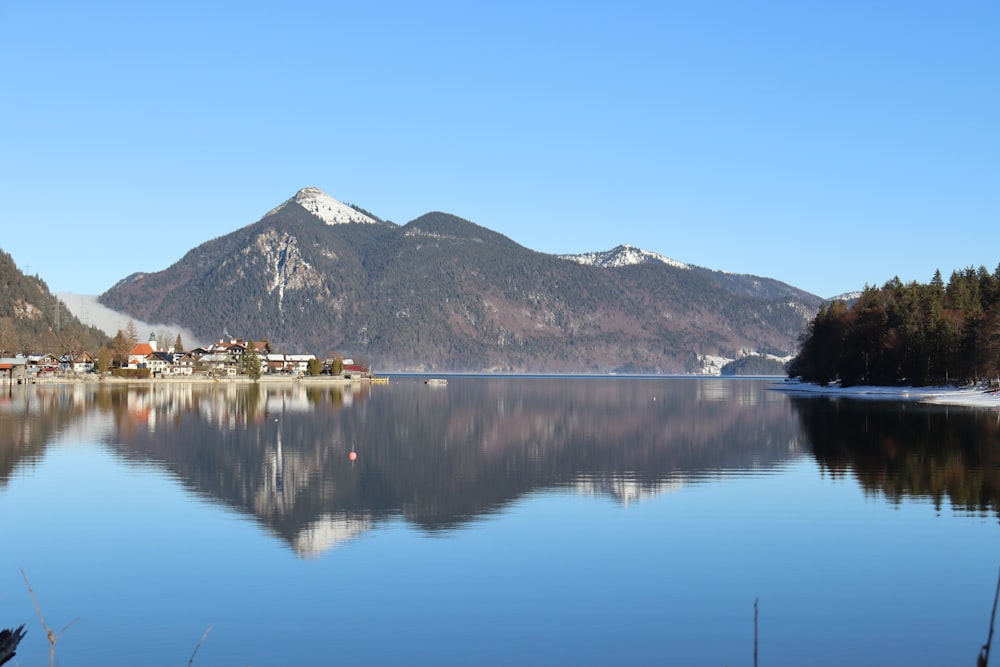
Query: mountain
(442, 293)
(33, 320)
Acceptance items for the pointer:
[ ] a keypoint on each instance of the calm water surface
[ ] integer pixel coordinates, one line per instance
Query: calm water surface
(496, 521)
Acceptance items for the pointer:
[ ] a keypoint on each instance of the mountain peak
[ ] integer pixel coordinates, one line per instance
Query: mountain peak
(623, 255)
(326, 208)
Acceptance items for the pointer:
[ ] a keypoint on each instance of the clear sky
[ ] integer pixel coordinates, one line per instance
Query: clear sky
(826, 144)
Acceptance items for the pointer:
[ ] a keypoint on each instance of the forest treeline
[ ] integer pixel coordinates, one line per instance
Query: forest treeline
(914, 334)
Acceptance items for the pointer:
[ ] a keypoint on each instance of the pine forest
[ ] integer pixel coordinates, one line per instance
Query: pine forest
(913, 334)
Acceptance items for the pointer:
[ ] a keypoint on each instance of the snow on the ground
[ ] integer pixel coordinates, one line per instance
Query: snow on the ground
(979, 397)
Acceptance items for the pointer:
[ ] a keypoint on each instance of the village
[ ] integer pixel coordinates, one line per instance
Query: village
(225, 359)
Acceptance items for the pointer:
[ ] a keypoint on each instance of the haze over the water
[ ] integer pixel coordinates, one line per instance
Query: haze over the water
(826, 145)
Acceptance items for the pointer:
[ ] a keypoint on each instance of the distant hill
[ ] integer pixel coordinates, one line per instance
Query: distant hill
(33, 320)
(756, 364)
(442, 293)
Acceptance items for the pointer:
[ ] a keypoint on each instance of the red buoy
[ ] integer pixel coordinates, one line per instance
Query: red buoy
(353, 456)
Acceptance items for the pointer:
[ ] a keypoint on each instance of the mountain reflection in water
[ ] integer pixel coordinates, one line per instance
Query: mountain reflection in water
(589, 521)
(439, 457)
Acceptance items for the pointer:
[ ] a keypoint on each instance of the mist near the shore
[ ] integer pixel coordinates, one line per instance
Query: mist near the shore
(91, 312)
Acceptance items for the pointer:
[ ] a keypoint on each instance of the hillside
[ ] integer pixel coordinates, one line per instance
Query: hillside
(444, 293)
(33, 320)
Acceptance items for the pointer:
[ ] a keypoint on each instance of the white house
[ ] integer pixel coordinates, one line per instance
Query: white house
(80, 363)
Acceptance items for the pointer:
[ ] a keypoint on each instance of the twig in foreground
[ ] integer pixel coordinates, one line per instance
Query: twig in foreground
(48, 631)
(200, 642)
(984, 653)
(755, 601)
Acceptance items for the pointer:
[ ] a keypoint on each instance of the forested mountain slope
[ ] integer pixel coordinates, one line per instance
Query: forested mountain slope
(33, 320)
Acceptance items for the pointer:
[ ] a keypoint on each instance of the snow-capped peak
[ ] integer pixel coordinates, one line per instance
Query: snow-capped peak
(326, 208)
(623, 255)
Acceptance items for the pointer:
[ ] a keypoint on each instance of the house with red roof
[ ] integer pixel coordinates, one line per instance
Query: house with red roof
(14, 369)
(137, 355)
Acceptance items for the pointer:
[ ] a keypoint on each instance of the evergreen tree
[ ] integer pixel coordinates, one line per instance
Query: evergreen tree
(250, 364)
(103, 360)
(178, 344)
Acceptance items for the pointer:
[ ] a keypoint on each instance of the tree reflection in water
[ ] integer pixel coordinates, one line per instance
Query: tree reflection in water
(906, 450)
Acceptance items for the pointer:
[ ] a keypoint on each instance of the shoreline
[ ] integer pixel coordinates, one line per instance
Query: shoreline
(92, 380)
(972, 397)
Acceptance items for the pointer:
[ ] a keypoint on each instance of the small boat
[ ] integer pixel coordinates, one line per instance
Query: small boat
(438, 382)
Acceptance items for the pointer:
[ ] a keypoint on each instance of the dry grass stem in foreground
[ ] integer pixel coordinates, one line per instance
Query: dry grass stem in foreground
(200, 642)
(48, 631)
(984, 653)
(755, 602)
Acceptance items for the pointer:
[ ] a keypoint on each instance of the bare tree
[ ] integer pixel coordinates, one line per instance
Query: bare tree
(131, 335)
(70, 342)
(163, 339)
(9, 340)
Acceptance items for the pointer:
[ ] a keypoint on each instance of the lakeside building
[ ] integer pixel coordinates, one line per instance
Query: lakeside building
(220, 359)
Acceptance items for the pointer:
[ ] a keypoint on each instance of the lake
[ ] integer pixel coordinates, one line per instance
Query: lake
(495, 521)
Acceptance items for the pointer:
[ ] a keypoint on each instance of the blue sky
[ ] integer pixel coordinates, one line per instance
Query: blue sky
(826, 144)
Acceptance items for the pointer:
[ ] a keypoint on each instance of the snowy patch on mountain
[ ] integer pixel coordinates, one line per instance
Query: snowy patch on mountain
(711, 364)
(848, 297)
(623, 255)
(414, 233)
(326, 208)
